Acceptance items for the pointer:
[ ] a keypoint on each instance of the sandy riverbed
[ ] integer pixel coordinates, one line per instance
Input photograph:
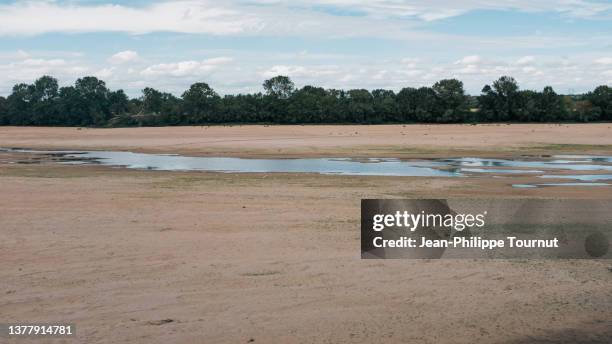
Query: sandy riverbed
(274, 258)
(324, 140)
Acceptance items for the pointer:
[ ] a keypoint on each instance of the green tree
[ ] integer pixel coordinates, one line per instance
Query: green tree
(506, 90)
(152, 101)
(601, 99)
(552, 105)
(19, 105)
(530, 106)
(407, 100)
(119, 108)
(89, 102)
(502, 101)
(45, 93)
(426, 104)
(4, 116)
(118, 103)
(583, 110)
(45, 88)
(95, 100)
(384, 105)
(199, 103)
(452, 103)
(71, 108)
(487, 104)
(306, 106)
(360, 105)
(280, 87)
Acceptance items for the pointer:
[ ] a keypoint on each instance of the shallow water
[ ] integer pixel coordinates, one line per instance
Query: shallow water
(549, 167)
(557, 184)
(583, 163)
(344, 166)
(493, 170)
(583, 177)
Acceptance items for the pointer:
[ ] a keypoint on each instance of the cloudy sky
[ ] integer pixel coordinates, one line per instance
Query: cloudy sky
(235, 44)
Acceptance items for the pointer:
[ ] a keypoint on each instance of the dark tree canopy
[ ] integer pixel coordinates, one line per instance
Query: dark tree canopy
(601, 101)
(90, 103)
(452, 102)
(199, 103)
(279, 87)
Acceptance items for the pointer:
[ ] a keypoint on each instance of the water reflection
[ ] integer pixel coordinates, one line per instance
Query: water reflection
(557, 184)
(548, 167)
(343, 166)
(584, 177)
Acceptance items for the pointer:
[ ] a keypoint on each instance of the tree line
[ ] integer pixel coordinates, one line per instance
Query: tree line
(90, 103)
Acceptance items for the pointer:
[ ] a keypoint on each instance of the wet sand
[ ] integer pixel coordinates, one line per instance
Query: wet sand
(274, 258)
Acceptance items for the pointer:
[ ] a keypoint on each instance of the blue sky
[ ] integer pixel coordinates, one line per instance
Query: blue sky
(235, 45)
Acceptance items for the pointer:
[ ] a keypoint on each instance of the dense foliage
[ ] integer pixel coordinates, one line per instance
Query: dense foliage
(90, 103)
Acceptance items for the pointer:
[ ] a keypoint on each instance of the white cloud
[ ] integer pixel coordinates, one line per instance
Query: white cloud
(36, 17)
(469, 69)
(30, 69)
(440, 9)
(244, 72)
(530, 70)
(470, 60)
(301, 71)
(411, 72)
(278, 17)
(380, 75)
(525, 60)
(124, 57)
(105, 73)
(410, 62)
(14, 55)
(43, 63)
(604, 61)
(22, 54)
(186, 68)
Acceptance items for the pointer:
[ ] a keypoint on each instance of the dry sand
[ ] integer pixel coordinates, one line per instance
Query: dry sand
(274, 258)
(323, 140)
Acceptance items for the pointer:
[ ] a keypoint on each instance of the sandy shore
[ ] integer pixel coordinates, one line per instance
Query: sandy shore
(324, 140)
(274, 258)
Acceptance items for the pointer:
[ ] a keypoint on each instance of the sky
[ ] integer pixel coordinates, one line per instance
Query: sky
(234, 45)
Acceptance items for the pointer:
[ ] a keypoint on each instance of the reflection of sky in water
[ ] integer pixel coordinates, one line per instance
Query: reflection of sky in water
(493, 170)
(557, 184)
(593, 158)
(380, 167)
(454, 167)
(590, 165)
(585, 177)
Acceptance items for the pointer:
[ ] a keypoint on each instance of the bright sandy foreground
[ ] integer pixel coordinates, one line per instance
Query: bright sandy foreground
(274, 258)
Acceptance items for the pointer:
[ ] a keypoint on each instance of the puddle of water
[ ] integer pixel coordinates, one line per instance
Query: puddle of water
(524, 186)
(574, 165)
(493, 170)
(593, 158)
(543, 167)
(374, 167)
(557, 184)
(583, 177)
